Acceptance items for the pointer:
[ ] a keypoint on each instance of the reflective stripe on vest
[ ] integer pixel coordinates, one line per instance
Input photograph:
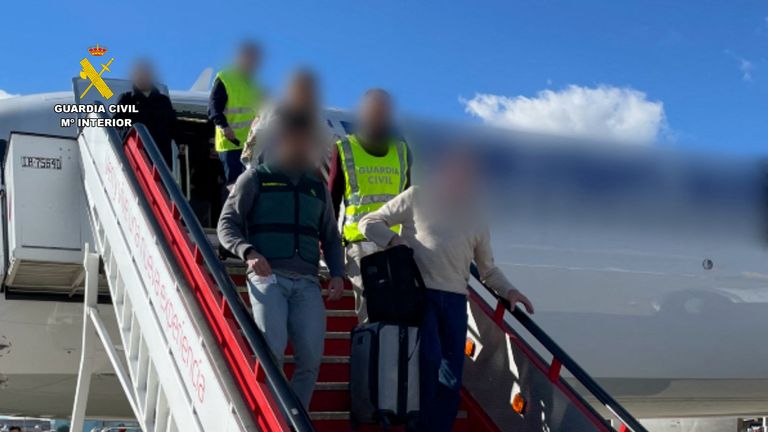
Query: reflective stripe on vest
(241, 109)
(371, 181)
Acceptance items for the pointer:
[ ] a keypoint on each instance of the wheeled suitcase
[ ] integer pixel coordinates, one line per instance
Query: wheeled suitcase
(384, 374)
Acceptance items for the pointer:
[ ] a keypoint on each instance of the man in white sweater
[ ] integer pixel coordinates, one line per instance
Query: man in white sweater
(443, 226)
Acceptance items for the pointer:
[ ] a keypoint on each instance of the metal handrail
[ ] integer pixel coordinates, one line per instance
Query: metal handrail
(563, 358)
(292, 409)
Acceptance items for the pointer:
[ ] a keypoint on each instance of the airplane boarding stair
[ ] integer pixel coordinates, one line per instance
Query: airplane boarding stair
(190, 357)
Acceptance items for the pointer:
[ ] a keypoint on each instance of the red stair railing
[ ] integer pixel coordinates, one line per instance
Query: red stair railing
(263, 385)
(500, 309)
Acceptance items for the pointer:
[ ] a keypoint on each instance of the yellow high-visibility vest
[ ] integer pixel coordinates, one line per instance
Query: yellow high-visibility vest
(243, 100)
(370, 181)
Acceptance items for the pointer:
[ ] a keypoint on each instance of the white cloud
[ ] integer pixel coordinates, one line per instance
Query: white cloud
(603, 112)
(746, 67)
(4, 94)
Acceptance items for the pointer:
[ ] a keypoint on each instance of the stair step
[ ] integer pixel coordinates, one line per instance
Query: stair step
(333, 313)
(238, 277)
(344, 415)
(332, 345)
(237, 271)
(329, 415)
(345, 305)
(334, 368)
(341, 313)
(332, 386)
(335, 398)
(327, 359)
(344, 426)
(341, 320)
(338, 335)
(338, 421)
(329, 372)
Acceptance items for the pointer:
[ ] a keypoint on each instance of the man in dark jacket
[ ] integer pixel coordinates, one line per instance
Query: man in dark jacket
(155, 110)
(278, 219)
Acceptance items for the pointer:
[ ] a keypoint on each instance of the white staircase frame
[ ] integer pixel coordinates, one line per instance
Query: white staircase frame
(95, 331)
(175, 379)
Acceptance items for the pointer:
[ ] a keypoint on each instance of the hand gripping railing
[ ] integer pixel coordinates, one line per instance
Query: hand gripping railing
(274, 405)
(560, 358)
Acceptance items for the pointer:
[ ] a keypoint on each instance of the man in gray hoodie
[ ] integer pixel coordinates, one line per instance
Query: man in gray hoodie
(278, 218)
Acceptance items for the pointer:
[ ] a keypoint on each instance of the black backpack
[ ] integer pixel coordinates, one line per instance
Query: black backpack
(393, 287)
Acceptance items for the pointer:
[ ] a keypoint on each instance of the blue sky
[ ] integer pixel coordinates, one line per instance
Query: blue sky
(698, 69)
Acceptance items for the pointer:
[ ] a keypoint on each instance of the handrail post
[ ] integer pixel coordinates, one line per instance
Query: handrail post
(498, 313)
(554, 369)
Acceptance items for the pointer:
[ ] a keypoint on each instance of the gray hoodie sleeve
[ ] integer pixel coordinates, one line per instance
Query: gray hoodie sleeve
(330, 240)
(234, 216)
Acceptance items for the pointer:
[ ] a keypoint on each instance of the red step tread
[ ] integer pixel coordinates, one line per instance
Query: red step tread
(330, 403)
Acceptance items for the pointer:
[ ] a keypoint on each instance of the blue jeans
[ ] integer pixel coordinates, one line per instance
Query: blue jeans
(443, 336)
(233, 167)
(292, 308)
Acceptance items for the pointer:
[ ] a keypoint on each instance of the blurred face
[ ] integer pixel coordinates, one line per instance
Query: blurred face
(248, 60)
(457, 176)
(295, 143)
(143, 77)
(376, 115)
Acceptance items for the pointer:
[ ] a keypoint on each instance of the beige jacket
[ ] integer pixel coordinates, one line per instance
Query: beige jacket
(445, 245)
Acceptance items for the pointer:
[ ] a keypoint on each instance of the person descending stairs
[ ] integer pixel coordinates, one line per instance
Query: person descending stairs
(330, 405)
